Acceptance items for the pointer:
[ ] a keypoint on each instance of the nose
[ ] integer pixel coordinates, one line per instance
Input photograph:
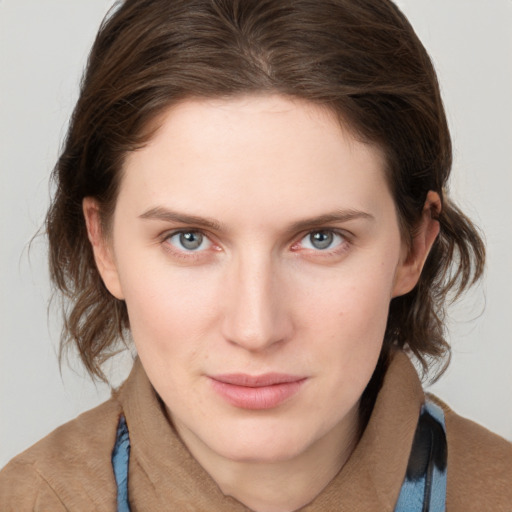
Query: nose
(257, 315)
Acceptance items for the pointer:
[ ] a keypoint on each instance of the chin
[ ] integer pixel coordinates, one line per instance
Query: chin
(276, 445)
(257, 455)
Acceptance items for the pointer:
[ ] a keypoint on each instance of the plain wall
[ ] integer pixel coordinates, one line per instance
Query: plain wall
(43, 48)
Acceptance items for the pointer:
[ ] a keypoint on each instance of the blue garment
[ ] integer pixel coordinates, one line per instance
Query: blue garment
(120, 462)
(424, 487)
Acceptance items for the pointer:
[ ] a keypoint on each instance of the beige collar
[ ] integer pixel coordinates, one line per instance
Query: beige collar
(164, 476)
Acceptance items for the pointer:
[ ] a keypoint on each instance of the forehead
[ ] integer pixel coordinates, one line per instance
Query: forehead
(271, 150)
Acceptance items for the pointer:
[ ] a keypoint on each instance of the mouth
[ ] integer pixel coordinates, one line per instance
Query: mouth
(256, 392)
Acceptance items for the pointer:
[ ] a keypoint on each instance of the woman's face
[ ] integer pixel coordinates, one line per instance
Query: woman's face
(257, 247)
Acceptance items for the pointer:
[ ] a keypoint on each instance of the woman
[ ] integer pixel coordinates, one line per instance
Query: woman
(254, 192)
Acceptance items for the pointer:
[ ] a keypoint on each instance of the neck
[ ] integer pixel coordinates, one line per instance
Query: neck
(283, 485)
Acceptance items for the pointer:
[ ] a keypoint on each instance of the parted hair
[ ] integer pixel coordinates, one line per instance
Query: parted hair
(360, 59)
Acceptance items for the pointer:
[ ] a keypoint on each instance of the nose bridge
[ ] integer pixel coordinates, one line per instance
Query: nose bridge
(255, 315)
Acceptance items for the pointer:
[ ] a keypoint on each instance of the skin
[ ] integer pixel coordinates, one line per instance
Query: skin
(259, 174)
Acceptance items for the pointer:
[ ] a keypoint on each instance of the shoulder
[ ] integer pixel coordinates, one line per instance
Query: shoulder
(479, 466)
(70, 469)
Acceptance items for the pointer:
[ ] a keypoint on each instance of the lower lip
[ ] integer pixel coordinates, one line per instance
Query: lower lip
(257, 398)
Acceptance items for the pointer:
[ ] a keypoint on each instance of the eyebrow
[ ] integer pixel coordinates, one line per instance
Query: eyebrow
(338, 216)
(164, 214)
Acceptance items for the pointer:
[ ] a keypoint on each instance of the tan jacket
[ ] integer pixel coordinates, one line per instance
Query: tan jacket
(71, 468)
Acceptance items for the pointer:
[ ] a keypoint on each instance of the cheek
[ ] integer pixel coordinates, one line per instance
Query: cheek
(347, 316)
(169, 309)
(355, 298)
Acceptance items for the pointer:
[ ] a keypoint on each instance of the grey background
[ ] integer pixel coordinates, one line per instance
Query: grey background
(43, 48)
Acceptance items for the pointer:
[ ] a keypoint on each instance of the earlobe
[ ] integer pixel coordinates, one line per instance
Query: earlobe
(409, 270)
(103, 252)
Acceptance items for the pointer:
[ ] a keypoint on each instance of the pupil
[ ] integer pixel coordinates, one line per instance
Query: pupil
(191, 240)
(321, 239)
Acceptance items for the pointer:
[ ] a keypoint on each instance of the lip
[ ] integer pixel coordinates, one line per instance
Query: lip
(256, 392)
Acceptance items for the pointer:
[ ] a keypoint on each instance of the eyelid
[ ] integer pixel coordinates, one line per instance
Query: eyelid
(168, 233)
(184, 253)
(203, 240)
(346, 240)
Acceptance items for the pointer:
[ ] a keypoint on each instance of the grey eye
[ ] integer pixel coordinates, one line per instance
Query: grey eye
(321, 239)
(188, 240)
(191, 240)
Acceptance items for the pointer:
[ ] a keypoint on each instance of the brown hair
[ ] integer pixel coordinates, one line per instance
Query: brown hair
(359, 58)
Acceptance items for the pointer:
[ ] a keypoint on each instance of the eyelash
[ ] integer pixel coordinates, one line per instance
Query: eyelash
(183, 254)
(190, 255)
(339, 247)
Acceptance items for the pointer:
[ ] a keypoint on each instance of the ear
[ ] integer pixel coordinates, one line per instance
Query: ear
(409, 270)
(102, 247)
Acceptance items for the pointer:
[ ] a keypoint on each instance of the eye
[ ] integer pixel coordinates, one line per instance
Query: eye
(189, 241)
(322, 240)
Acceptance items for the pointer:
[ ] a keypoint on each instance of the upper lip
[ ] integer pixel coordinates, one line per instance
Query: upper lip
(256, 381)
